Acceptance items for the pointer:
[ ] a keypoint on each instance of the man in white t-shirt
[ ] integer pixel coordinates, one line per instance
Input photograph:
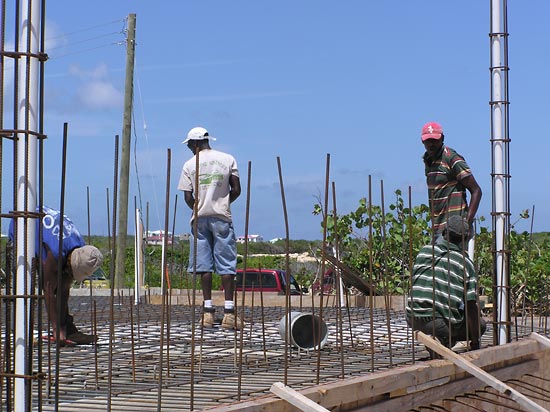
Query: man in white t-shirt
(209, 196)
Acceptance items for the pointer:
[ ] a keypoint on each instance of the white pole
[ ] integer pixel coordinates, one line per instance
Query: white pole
(340, 284)
(471, 247)
(138, 258)
(499, 168)
(28, 106)
(162, 263)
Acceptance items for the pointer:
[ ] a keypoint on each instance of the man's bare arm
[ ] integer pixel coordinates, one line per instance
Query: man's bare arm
(189, 199)
(235, 188)
(475, 196)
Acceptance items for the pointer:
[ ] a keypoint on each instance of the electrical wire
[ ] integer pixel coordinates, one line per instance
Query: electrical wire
(85, 50)
(85, 40)
(69, 44)
(65, 35)
(146, 136)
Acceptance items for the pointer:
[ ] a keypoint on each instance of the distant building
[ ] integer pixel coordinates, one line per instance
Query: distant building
(251, 238)
(156, 237)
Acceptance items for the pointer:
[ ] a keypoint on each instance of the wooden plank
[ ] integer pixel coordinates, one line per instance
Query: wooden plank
(540, 339)
(352, 277)
(296, 398)
(434, 395)
(479, 373)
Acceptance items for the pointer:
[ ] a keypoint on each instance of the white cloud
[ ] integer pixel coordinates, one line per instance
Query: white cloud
(99, 72)
(99, 95)
(94, 90)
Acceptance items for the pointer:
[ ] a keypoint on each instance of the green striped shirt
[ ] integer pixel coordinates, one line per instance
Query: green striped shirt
(447, 196)
(442, 277)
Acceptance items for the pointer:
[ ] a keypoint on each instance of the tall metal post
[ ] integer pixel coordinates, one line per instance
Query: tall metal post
(138, 258)
(125, 155)
(28, 71)
(500, 169)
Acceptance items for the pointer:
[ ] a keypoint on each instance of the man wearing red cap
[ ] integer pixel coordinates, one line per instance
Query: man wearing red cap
(448, 177)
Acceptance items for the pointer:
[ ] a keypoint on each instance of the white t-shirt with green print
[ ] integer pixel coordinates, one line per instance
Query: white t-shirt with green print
(215, 168)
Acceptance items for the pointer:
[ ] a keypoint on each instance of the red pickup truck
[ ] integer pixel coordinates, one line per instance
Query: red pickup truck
(267, 280)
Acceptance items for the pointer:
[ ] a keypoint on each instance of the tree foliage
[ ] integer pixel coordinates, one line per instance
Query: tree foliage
(529, 262)
(378, 243)
(383, 245)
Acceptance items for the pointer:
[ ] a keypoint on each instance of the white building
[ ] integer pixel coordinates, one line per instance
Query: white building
(251, 238)
(156, 237)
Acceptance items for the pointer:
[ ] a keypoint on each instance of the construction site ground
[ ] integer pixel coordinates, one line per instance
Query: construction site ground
(148, 358)
(139, 364)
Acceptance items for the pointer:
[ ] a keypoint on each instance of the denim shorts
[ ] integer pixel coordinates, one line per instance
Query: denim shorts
(216, 247)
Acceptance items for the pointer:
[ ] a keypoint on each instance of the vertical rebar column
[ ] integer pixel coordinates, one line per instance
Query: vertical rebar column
(243, 294)
(5, 350)
(500, 169)
(114, 252)
(287, 271)
(27, 123)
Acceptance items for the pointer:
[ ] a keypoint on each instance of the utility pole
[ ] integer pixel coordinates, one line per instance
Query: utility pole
(125, 157)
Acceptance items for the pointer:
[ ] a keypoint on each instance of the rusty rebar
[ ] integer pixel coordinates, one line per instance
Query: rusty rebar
(385, 274)
(245, 265)
(339, 291)
(112, 282)
(164, 281)
(371, 274)
(287, 296)
(323, 259)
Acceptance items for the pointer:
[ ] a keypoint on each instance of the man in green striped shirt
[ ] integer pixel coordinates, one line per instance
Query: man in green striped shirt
(443, 297)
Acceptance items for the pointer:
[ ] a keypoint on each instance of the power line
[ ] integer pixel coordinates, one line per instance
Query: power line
(89, 29)
(146, 136)
(86, 50)
(72, 44)
(85, 40)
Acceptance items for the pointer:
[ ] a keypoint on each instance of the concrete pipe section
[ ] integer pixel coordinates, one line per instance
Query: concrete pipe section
(306, 330)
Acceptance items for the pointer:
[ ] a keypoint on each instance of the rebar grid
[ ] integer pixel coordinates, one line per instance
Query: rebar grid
(134, 373)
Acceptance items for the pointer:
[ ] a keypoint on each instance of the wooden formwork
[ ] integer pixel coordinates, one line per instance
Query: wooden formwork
(439, 385)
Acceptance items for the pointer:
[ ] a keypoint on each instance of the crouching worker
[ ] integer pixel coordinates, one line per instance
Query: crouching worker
(443, 297)
(78, 261)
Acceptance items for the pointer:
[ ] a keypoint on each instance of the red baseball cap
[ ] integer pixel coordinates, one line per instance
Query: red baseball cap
(432, 130)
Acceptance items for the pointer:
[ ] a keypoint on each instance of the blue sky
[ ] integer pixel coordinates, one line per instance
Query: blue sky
(296, 80)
